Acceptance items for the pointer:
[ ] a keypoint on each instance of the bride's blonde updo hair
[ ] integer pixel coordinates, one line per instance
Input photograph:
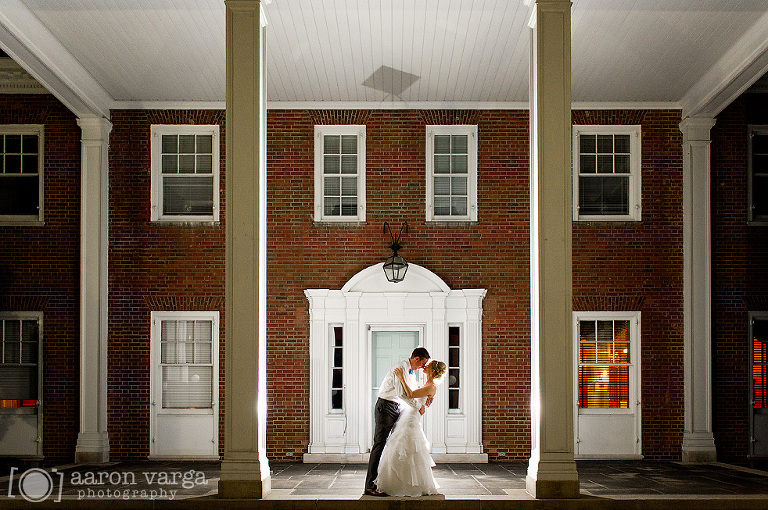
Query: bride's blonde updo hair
(438, 369)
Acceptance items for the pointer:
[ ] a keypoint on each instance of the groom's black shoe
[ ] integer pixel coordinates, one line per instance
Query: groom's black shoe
(374, 492)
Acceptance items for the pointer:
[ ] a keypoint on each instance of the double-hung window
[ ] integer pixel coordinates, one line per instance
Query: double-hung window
(606, 175)
(21, 173)
(339, 173)
(185, 173)
(758, 174)
(451, 173)
(19, 360)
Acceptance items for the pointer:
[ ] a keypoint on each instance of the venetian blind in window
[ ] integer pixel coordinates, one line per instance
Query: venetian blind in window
(604, 174)
(187, 174)
(186, 364)
(604, 361)
(19, 367)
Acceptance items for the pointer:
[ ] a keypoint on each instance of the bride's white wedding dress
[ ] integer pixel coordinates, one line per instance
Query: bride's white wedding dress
(405, 468)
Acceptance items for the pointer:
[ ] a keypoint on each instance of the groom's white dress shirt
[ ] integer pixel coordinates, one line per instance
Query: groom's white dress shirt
(391, 388)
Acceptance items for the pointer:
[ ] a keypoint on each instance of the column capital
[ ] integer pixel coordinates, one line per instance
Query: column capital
(94, 128)
(696, 128)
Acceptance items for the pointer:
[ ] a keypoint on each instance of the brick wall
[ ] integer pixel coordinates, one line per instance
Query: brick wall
(739, 274)
(152, 267)
(40, 266)
(617, 266)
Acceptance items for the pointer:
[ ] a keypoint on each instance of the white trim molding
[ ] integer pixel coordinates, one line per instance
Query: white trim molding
(422, 302)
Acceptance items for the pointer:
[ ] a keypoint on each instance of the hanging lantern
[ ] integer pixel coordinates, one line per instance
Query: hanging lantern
(395, 266)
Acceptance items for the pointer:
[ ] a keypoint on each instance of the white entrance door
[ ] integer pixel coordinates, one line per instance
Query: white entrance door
(387, 348)
(185, 367)
(607, 383)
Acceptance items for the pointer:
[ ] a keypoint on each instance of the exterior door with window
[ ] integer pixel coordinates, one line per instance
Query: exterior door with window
(758, 422)
(607, 388)
(20, 382)
(185, 367)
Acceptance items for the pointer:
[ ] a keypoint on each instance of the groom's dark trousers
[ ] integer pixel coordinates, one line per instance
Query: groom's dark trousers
(385, 415)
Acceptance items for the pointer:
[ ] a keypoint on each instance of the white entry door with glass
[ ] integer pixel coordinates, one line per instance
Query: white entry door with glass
(607, 384)
(185, 388)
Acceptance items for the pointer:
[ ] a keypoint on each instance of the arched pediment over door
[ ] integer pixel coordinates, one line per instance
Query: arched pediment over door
(344, 327)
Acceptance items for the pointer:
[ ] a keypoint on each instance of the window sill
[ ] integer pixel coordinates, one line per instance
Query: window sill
(186, 223)
(8, 222)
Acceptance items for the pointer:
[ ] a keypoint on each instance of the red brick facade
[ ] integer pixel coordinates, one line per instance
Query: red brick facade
(162, 267)
(739, 274)
(40, 266)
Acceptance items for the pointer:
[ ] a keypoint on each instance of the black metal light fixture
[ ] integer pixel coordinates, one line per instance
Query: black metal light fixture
(395, 267)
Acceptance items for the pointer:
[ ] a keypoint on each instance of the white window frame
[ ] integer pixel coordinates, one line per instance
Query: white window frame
(634, 359)
(447, 376)
(155, 355)
(461, 129)
(27, 129)
(761, 130)
(320, 132)
(332, 351)
(156, 133)
(635, 166)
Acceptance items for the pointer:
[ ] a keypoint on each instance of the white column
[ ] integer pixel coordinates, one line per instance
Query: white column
(551, 469)
(93, 439)
(698, 440)
(244, 469)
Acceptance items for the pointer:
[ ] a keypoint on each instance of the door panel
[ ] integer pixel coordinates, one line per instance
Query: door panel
(388, 347)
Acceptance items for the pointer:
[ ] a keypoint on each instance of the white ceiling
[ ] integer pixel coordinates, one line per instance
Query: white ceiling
(100, 54)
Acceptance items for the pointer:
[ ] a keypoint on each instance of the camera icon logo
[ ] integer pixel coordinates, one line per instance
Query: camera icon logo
(36, 485)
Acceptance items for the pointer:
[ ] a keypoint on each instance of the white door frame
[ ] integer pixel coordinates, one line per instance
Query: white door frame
(634, 394)
(369, 302)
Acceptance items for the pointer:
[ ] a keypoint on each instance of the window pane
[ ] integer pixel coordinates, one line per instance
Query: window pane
(622, 163)
(185, 387)
(336, 378)
(12, 163)
(204, 164)
(604, 331)
(188, 195)
(442, 164)
(587, 352)
(621, 144)
(442, 144)
(338, 334)
(349, 164)
(204, 144)
(186, 164)
(760, 163)
(19, 194)
(587, 164)
(459, 143)
(186, 144)
(332, 206)
(332, 144)
(760, 196)
(348, 206)
(336, 399)
(459, 164)
(170, 144)
(332, 186)
(604, 164)
(453, 399)
(621, 331)
(604, 144)
(349, 144)
(170, 164)
(453, 336)
(760, 386)
(13, 143)
(332, 164)
(349, 186)
(18, 383)
(458, 185)
(604, 387)
(459, 206)
(621, 352)
(453, 378)
(453, 357)
(759, 144)
(604, 353)
(603, 195)
(29, 164)
(587, 144)
(587, 331)
(442, 206)
(442, 185)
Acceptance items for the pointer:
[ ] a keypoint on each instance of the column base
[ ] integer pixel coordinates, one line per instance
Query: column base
(92, 448)
(554, 479)
(242, 479)
(698, 448)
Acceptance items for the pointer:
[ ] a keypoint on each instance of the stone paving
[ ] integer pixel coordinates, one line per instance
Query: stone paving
(158, 481)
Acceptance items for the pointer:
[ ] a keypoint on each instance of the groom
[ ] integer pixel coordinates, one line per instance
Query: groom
(387, 411)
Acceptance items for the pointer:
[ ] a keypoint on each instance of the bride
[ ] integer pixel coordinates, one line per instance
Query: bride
(405, 468)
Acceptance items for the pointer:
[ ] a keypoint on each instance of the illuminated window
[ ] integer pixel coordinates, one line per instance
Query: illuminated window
(604, 363)
(337, 367)
(19, 363)
(760, 363)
